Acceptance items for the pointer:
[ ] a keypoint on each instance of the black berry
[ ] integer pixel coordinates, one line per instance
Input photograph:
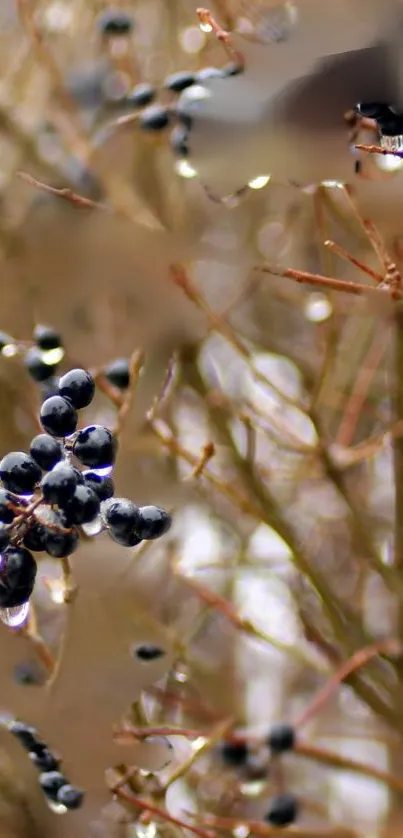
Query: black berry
(6, 513)
(70, 796)
(179, 140)
(35, 537)
(154, 118)
(373, 110)
(118, 373)
(47, 338)
(83, 506)
(95, 447)
(148, 652)
(36, 366)
(113, 23)
(60, 545)
(102, 486)
(129, 539)
(46, 451)
(179, 81)
(78, 387)
(19, 473)
(43, 759)
(121, 516)
(281, 738)
(51, 782)
(25, 734)
(283, 810)
(207, 73)
(5, 340)
(234, 753)
(141, 95)
(58, 416)
(17, 577)
(4, 537)
(58, 486)
(154, 522)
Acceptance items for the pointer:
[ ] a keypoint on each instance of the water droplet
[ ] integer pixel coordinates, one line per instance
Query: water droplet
(184, 169)
(192, 39)
(10, 350)
(14, 617)
(259, 182)
(318, 308)
(206, 27)
(57, 808)
(51, 357)
(145, 830)
(93, 527)
(103, 472)
(241, 831)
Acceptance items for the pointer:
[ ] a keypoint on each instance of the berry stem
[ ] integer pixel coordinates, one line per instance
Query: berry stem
(217, 733)
(344, 254)
(159, 812)
(335, 760)
(207, 19)
(342, 285)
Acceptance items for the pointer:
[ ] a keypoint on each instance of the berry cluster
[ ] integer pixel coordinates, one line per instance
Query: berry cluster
(283, 808)
(389, 122)
(64, 483)
(56, 788)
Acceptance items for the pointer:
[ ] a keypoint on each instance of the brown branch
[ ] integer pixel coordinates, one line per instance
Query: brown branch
(335, 760)
(348, 287)
(65, 193)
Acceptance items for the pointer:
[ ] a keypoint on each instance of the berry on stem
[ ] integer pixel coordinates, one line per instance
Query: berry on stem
(36, 366)
(19, 473)
(83, 506)
(58, 416)
(47, 338)
(58, 486)
(283, 810)
(35, 537)
(43, 759)
(234, 753)
(207, 73)
(6, 513)
(179, 81)
(179, 140)
(70, 796)
(60, 545)
(51, 782)
(78, 387)
(115, 23)
(102, 486)
(281, 738)
(46, 451)
(141, 95)
(154, 522)
(154, 118)
(148, 652)
(118, 373)
(17, 576)
(121, 517)
(26, 734)
(95, 447)
(4, 537)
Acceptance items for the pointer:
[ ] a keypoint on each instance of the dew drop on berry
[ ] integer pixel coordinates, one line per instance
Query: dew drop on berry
(93, 527)
(15, 617)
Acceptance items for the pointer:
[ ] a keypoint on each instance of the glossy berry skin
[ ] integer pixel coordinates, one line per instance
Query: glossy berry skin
(43, 759)
(17, 577)
(121, 516)
(154, 522)
(207, 73)
(47, 338)
(118, 373)
(102, 486)
(70, 796)
(35, 538)
(148, 652)
(25, 734)
(179, 141)
(36, 366)
(60, 545)
(113, 23)
(58, 486)
(141, 95)
(129, 539)
(283, 810)
(281, 738)
(4, 537)
(95, 447)
(234, 753)
(19, 473)
(46, 451)
(179, 81)
(83, 507)
(78, 387)
(154, 118)
(372, 110)
(6, 513)
(51, 782)
(58, 416)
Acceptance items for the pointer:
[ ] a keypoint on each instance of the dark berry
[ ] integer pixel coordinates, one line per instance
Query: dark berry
(179, 81)
(148, 652)
(49, 388)
(19, 473)
(36, 366)
(118, 373)
(207, 73)
(391, 126)
(25, 734)
(58, 416)
(232, 69)
(70, 796)
(154, 118)
(234, 753)
(58, 486)
(46, 451)
(373, 110)
(141, 95)
(4, 537)
(102, 486)
(179, 140)
(281, 738)
(121, 516)
(35, 537)
(60, 545)
(5, 340)
(29, 673)
(83, 506)
(6, 513)
(51, 782)
(114, 23)
(283, 810)
(129, 539)
(154, 522)
(78, 387)
(44, 760)
(95, 447)
(47, 338)
(17, 577)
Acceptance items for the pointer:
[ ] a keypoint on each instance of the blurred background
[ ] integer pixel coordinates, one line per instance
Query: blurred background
(292, 520)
